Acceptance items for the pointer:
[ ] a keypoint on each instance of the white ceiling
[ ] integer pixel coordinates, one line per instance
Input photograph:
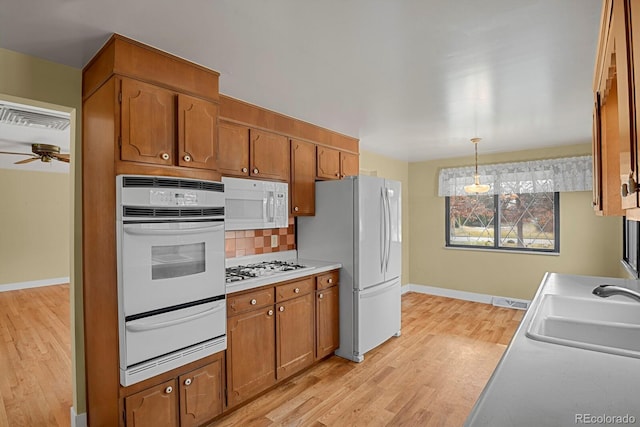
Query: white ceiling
(413, 79)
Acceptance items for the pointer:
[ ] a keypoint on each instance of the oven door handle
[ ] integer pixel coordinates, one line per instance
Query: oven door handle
(140, 326)
(170, 231)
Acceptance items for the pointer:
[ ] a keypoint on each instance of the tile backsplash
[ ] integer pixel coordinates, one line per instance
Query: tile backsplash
(252, 242)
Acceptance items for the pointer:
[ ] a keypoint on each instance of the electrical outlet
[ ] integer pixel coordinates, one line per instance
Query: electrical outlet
(274, 241)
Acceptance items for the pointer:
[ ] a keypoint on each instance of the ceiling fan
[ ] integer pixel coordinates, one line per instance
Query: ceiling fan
(43, 152)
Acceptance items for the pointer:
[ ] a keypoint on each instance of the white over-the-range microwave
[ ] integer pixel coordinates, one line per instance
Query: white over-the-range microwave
(253, 204)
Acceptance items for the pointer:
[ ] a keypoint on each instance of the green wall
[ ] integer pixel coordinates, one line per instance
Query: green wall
(29, 80)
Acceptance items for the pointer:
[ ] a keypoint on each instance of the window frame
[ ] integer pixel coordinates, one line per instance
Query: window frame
(496, 229)
(630, 237)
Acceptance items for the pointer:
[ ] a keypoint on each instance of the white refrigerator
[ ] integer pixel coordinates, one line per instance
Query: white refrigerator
(358, 223)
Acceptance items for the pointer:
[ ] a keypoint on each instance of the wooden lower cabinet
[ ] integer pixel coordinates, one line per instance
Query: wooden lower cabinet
(327, 321)
(274, 332)
(155, 406)
(250, 354)
(201, 394)
(190, 400)
(295, 332)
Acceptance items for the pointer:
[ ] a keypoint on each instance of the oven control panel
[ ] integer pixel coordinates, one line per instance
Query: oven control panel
(172, 198)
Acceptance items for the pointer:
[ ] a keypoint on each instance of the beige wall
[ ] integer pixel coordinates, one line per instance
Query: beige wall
(398, 170)
(589, 245)
(29, 80)
(34, 223)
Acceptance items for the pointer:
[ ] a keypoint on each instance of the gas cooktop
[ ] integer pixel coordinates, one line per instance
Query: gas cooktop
(266, 268)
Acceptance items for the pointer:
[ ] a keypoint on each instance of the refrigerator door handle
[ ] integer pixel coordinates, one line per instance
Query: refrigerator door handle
(383, 232)
(388, 236)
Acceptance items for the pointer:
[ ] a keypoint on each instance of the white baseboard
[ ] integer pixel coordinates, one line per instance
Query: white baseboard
(78, 420)
(462, 295)
(33, 284)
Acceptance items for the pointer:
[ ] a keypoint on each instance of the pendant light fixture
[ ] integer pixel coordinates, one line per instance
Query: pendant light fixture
(476, 187)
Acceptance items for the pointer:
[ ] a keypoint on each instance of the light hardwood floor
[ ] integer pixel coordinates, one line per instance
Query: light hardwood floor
(35, 357)
(430, 376)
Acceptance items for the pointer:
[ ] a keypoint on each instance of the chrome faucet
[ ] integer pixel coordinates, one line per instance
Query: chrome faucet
(605, 291)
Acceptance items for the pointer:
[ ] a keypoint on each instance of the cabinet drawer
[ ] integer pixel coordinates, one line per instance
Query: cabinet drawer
(292, 290)
(327, 280)
(245, 302)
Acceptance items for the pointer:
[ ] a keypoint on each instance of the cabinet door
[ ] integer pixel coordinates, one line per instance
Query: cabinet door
(201, 394)
(618, 55)
(615, 152)
(303, 178)
(327, 321)
(349, 164)
(250, 354)
(328, 163)
(147, 123)
(295, 331)
(634, 21)
(156, 406)
(197, 132)
(269, 155)
(233, 149)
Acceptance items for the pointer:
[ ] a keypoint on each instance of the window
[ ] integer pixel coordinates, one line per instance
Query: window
(521, 222)
(630, 253)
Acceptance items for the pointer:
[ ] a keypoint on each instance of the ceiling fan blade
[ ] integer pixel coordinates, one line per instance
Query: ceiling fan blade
(20, 154)
(61, 157)
(22, 162)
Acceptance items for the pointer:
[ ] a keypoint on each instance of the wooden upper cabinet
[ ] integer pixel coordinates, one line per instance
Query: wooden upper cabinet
(233, 149)
(167, 128)
(201, 394)
(614, 146)
(336, 164)
(147, 123)
(268, 155)
(303, 178)
(155, 406)
(349, 164)
(632, 13)
(328, 163)
(197, 132)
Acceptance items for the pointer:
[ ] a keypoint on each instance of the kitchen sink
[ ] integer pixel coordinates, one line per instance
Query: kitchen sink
(592, 324)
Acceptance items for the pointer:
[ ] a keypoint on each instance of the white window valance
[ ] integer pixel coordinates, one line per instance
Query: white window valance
(537, 176)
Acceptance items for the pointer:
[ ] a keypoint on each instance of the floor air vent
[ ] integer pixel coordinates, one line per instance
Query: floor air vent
(520, 304)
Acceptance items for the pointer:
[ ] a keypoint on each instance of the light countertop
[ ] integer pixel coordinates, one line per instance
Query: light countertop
(313, 267)
(538, 383)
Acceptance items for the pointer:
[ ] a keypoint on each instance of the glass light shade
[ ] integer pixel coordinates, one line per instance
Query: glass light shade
(476, 187)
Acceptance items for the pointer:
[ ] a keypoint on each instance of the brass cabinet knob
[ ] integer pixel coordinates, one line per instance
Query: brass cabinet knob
(187, 381)
(168, 390)
(164, 156)
(281, 309)
(186, 158)
(254, 302)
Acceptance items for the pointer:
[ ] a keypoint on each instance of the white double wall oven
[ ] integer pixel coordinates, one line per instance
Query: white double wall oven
(171, 273)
